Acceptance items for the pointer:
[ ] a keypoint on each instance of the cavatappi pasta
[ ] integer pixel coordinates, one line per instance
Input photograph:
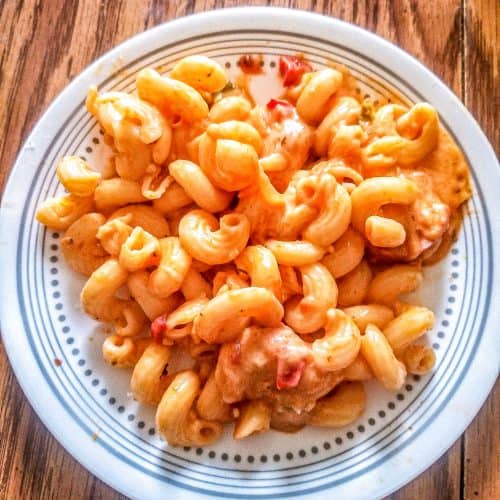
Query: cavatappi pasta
(271, 243)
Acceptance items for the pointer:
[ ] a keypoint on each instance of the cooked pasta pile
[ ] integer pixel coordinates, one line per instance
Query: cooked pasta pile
(272, 244)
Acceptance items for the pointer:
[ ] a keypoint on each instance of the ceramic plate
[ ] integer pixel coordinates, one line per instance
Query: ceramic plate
(55, 349)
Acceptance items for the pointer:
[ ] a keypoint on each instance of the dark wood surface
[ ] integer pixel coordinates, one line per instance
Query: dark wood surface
(46, 43)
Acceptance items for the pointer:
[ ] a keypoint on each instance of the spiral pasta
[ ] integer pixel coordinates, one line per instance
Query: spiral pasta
(200, 236)
(264, 247)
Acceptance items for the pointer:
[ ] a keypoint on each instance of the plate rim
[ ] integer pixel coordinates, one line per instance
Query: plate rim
(108, 57)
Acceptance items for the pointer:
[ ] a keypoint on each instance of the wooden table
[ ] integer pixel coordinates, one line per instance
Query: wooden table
(45, 43)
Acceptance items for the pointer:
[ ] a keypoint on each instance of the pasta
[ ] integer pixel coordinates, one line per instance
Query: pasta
(201, 73)
(172, 199)
(138, 131)
(295, 253)
(418, 359)
(388, 285)
(152, 305)
(230, 108)
(170, 96)
(200, 236)
(380, 357)
(340, 344)
(177, 420)
(375, 314)
(113, 234)
(144, 216)
(358, 370)
(309, 313)
(347, 253)
(198, 187)
(408, 326)
(262, 267)
(210, 405)
(344, 406)
(353, 287)
(139, 251)
(116, 192)
(270, 244)
(80, 244)
(172, 269)
(149, 381)
(77, 176)
(59, 213)
(123, 352)
(255, 417)
(333, 218)
(214, 324)
(412, 136)
(195, 285)
(311, 104)
(179, 323)
(98, 296)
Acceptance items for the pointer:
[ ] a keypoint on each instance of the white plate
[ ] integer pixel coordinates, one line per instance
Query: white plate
(85, 403)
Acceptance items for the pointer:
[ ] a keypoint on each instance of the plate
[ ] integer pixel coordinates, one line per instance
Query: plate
(55, 349)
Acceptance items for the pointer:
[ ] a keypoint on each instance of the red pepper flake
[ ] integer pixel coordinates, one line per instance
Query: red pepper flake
(288, 374)
(158, 328)
(292, 68)
(251, 63)
(57, 362)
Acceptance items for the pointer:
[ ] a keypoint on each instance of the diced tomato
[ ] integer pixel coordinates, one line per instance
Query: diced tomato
(292, 68)
(158, 328)
(280, 108)
(288, 374)
(251, 63)
(273, 103)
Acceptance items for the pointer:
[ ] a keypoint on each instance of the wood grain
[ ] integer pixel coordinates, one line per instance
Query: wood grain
(481, 60)
(46, 43)
(481, 452)
(481, 442)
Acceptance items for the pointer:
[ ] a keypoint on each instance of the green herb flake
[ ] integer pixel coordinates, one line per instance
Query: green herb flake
(229, 86)
(367, 111)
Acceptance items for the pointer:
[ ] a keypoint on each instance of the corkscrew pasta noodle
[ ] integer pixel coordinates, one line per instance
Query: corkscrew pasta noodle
(270, 244)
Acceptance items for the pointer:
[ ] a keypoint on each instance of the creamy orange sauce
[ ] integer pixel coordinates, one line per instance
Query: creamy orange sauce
(247, 369)
(447, 168)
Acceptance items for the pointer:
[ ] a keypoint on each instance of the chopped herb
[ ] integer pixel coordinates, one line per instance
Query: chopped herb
(367, 112)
